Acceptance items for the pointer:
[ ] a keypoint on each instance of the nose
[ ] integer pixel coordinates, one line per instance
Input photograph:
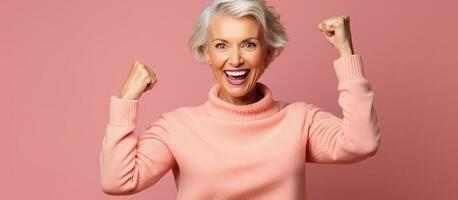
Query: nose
(236, 59)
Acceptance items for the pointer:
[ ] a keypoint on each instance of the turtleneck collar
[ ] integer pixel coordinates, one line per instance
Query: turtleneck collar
(263, 108)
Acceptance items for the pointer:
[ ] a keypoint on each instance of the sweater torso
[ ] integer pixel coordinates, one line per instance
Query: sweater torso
(223, 151)
(256, 149)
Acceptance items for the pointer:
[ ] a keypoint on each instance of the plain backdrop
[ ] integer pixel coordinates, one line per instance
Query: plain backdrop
(62, 60)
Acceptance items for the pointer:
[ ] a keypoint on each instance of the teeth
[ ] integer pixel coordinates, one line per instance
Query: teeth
(237, 73)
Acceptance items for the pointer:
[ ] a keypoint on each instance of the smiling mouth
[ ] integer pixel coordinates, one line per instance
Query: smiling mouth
(236, 77)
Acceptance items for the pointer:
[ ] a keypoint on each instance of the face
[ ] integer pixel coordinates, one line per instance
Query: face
(236, 52)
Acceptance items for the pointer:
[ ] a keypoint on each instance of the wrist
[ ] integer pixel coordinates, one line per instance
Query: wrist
(128, 97)
(346, 51)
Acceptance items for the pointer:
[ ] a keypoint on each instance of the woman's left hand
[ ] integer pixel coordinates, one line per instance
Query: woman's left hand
(337, 30)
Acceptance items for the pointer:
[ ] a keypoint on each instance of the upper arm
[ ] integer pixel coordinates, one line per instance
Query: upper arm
(131, 163)
(328, 141)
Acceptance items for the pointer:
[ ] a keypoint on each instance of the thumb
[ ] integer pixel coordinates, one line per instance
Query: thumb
(327, 32)
(150, 84)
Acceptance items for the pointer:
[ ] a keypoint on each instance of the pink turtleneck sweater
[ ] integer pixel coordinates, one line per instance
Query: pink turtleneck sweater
(223, 151)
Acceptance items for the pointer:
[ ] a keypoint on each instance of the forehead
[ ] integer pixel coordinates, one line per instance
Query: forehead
(229, 27)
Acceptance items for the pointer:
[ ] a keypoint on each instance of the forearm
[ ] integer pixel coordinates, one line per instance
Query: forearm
(360, 125)
(118, 149)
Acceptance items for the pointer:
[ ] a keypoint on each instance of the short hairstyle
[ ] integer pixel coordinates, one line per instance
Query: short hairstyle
(274, 32)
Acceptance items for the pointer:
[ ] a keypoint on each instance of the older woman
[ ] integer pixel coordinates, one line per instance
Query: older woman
(240, 143)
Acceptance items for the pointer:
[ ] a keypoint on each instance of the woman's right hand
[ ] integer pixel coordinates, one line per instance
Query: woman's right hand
(140, 80)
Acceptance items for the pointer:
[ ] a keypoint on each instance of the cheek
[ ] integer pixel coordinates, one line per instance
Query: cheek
(256, 59)
(218, 59)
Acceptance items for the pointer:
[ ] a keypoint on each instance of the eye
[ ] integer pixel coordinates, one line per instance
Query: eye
(250, 45)
(220, 45)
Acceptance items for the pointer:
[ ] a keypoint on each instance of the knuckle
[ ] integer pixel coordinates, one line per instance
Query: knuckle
(144, 71)
(138, 67)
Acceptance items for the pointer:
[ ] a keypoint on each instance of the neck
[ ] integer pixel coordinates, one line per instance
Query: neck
(251, 97)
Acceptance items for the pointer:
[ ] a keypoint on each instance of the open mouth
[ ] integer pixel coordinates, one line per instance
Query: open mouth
(236, 77)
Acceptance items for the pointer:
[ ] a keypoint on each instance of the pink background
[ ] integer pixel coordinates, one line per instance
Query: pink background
(62, 60)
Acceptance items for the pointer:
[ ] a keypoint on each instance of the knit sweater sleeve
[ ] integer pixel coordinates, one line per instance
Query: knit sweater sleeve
(354, 137)
(130, 163)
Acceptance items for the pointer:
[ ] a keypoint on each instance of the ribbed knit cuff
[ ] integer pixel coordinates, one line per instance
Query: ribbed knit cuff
(123, 112)
(349, 67)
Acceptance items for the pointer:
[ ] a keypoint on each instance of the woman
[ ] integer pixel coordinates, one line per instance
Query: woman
(240, 143)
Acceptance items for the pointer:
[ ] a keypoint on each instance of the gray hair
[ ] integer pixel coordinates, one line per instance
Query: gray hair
(274, 32)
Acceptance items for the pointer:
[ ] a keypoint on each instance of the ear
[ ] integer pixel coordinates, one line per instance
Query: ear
(206, 54)
(269, 58)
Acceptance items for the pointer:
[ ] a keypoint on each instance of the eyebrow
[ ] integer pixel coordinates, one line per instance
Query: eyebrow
(242, 41)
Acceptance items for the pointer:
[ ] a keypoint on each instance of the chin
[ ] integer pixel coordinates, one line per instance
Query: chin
(235, 91)
(238, 91)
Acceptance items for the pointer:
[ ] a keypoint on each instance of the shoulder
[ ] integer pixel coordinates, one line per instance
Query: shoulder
(170, 121)
(294, 106)
(181, 114)
(299, 107)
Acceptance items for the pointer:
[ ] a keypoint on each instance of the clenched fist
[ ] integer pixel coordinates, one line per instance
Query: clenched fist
(336, 29)
(140, 80)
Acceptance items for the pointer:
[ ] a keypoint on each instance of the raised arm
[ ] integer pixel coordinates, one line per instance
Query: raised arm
(331, 139)
(130, 164)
